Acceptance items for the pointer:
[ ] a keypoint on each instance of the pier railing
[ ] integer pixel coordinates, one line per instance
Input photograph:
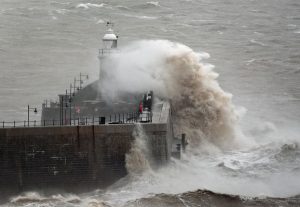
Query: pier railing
(120, 118)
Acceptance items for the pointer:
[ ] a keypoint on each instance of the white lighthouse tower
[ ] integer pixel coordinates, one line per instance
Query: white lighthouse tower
(110, 43)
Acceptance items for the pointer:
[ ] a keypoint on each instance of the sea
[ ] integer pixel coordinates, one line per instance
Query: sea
(245, 54)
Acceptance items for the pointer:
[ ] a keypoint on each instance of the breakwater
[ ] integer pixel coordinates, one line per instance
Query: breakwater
(75, 158)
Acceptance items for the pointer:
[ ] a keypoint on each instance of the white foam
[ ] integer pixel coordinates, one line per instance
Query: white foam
(146, 17)
(257, 42)
(88, 5)
(137, 160)
(203, 55)
(122, 7)
(140, 17)
(61, 11)
(154, 3)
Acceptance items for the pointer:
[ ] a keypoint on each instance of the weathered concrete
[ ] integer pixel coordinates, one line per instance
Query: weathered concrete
(75, 157)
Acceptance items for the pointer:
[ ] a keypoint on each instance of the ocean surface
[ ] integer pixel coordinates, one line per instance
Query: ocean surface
(254, 47)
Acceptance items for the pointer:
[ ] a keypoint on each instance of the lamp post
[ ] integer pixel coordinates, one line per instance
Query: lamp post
(65, 106)
(80, 79)
(66, 101)
(28, 109)
(81, 76)
(74, 86)
(70, 103)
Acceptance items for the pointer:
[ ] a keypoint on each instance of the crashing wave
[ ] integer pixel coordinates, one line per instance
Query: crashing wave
(201, 109)
(137, 160)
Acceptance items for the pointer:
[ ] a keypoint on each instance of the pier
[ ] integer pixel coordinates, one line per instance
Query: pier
(77, 157)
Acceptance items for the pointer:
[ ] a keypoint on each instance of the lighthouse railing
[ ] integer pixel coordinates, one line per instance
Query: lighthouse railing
(107, 51)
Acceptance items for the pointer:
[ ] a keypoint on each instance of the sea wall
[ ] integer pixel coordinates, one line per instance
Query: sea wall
(72, 157)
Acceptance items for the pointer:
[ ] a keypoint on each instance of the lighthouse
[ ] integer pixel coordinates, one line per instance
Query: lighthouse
(109, 45)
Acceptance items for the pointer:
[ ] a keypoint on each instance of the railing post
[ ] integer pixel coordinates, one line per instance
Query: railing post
(119, 118)
(93, 120)
(53, 122)
(115, 117)
(99, 120)
(24, 123)
(86, 121)
(78, 121)
(34, 122)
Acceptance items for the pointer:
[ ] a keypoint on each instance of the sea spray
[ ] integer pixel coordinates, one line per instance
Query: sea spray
(201, 109)
(138, 158)
(39, 199)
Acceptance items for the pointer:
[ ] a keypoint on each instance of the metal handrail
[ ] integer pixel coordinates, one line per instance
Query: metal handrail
(120, 118)
(108, 51)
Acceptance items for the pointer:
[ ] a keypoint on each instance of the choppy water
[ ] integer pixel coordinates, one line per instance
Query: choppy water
(255, 46)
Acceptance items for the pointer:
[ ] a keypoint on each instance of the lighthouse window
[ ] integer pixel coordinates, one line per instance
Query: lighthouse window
(108, 44)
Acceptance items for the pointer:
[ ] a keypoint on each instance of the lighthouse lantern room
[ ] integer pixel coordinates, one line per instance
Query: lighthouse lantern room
(110, 43)
(110, 40)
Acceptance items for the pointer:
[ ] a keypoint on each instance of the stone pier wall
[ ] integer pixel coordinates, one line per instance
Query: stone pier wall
(73, 158)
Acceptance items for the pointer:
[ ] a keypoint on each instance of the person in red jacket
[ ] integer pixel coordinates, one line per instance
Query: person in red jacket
(141, 107)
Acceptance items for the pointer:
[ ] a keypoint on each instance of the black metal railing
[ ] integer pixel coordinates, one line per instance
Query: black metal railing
(119, 118)
(107, 51)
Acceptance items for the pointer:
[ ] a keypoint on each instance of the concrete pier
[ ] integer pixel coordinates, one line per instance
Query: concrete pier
(75, 157)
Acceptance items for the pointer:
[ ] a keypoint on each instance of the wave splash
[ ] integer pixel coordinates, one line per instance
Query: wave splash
(201, 108)
(137, 160)
(206, 114)
(175, 72)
